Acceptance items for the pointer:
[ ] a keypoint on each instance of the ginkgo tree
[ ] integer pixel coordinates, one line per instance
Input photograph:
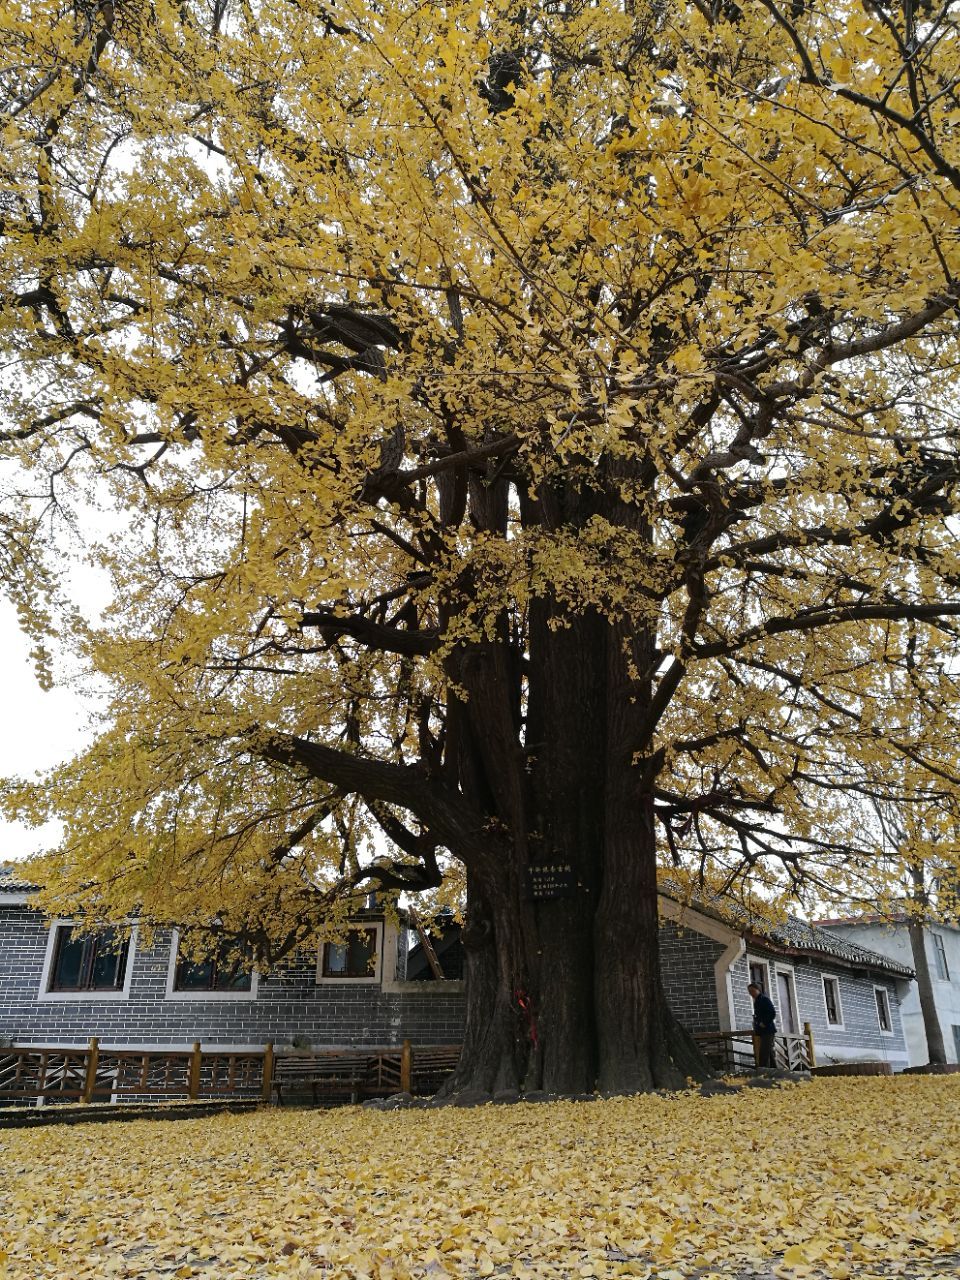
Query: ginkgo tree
(535, 435)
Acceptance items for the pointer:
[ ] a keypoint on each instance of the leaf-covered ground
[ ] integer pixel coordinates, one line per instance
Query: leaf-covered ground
(841, 1178)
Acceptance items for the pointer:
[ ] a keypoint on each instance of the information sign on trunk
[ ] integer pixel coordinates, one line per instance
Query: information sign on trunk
(551, 880)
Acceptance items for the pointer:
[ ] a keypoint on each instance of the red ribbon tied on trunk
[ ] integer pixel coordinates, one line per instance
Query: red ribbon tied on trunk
(525, 1005)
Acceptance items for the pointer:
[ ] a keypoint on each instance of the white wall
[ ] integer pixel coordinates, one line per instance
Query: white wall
(946, 993)
(893, 940)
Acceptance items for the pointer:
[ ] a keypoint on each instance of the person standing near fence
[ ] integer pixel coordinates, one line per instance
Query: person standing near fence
(764, 1025)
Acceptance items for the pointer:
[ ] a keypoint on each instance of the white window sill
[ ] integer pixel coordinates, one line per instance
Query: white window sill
(70, 996)
(349, 982)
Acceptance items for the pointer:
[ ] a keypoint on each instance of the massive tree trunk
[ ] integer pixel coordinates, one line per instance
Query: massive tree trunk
(564, 992)
(640, 1043)
(566, 995)
(530, 1017)
(530, 1022)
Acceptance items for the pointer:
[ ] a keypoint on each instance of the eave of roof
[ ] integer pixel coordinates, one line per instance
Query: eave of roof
(12, 882)
(799, 937)
(875, 918)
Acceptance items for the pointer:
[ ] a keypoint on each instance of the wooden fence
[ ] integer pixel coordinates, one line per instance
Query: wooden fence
(736, 1051)
(95, 1074)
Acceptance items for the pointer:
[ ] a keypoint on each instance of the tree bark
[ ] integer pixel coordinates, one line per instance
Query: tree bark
(916, 928)
(641, 1045)
(496, 1046)
(936, 1052)
(565, 995)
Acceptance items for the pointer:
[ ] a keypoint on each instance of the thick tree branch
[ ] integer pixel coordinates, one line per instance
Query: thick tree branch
(372, 635)
(835, 616)
(443, 810)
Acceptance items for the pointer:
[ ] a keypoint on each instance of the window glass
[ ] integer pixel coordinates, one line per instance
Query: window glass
(758, 974)
(68, 965)
(236, 976)
(940, 956)
(194, 975)
(831, 992)
(354, 958)
(360, 952)
(227, 969)
(788, 1003)
(89, 962)
(883, 1009)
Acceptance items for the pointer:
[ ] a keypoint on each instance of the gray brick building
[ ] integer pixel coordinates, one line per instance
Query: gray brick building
(850, 996)
(57, 989)
(149, 1001)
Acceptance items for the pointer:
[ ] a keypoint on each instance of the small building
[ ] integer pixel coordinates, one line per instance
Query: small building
(61, 988)
(847, 994)
(890, 937)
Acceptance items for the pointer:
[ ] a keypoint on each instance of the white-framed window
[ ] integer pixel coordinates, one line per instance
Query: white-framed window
(831, 1001)
(940, 957)
(93, 965)
(759, 972)
(358, 958)
(219, 974)
(884, 1016)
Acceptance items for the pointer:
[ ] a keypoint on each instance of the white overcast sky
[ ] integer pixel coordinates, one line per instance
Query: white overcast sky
(40, 728)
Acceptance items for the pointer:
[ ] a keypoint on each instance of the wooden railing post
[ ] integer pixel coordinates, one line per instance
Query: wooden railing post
(193, 1086)
(90, 1079)
(267, 1071)
(811, 1054)
(406, 1067)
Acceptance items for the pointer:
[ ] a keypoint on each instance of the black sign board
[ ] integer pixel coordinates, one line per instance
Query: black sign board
(551, 880)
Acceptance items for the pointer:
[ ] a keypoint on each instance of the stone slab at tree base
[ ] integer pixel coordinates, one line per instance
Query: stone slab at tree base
(854, 1069)
(933, 1069)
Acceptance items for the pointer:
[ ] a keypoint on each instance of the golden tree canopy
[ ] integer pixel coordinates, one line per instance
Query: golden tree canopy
(405, 333)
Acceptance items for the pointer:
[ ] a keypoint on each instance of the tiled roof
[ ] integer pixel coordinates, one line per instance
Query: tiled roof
(11, 881)
(803, 936)
(792, 934)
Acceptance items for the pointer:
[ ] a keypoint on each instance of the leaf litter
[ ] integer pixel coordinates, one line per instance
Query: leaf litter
(839, 1179)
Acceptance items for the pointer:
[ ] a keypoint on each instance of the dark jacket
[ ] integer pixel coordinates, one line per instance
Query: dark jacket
(764, 1016)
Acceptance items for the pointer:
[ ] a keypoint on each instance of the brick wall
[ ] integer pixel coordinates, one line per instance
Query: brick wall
(291, 1003)
(687, 964)
(287, 1005)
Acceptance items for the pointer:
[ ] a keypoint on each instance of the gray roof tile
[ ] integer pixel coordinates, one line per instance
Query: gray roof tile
(12, 881)
(792, 933)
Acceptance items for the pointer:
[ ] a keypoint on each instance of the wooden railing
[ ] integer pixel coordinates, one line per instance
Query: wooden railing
(96, 1074)
(93, 1073)
(736, 1051)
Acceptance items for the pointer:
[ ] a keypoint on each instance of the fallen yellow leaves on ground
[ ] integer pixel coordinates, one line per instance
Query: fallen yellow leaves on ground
(838, 1178)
